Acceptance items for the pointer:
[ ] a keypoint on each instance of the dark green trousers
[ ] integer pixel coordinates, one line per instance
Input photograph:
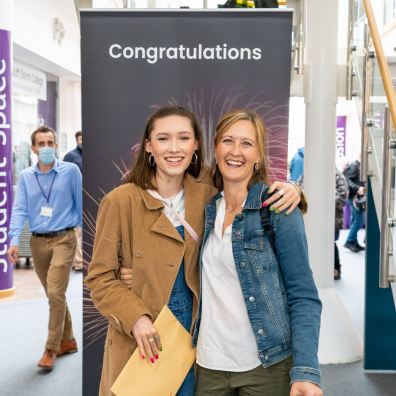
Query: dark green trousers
(270, 381)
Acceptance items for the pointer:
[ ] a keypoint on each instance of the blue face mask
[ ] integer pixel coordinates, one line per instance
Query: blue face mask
(46, 155)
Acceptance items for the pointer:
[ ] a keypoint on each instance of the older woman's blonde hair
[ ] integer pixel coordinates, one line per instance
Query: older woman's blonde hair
(260, 172)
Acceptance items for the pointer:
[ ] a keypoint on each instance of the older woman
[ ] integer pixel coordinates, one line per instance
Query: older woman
(259, 314)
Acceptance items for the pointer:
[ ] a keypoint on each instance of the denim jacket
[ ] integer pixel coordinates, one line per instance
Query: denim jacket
(279, 291)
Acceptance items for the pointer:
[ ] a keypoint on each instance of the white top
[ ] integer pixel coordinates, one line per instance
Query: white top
(226, 341)
(176, 203)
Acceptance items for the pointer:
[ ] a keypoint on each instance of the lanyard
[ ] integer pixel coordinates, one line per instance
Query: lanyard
(186, 225)
(47, 198)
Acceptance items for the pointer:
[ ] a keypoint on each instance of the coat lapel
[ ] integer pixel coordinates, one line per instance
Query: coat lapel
(162, 225)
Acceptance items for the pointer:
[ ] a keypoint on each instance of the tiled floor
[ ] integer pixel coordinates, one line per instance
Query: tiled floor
(23, 329)
(351, 286)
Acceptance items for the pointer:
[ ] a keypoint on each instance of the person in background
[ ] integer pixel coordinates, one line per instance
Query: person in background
(341, 196)
(356, 190)
(49, 196)
(160, 204)
(296, 167)
(75, 157)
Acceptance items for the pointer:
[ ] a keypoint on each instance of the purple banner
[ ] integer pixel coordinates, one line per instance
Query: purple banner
(340, 136)
(6, 160)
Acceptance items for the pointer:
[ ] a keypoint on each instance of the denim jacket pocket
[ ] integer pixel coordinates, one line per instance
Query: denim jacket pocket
(256, 250)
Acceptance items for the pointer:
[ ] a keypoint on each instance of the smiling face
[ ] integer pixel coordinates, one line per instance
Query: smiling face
(172, 144)
(237, 152)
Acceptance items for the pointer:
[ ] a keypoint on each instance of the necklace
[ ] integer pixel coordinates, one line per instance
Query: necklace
(229, 209)
(174, 202)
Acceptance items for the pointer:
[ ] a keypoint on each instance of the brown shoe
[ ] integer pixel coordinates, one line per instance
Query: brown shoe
(47, 361)
(67, 346)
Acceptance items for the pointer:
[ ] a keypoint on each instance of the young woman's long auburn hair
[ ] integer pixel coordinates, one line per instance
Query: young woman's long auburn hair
(142, 173)
(261, 172)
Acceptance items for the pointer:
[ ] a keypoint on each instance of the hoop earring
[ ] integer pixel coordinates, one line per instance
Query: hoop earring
(151, 160)
(194, 160)
(256, 166)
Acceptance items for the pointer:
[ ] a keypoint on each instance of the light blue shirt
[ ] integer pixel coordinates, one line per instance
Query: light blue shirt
(65, 200)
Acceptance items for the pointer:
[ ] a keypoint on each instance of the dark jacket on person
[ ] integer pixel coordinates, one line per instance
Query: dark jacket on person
(74, 156)
(352, 176)
(341, 195)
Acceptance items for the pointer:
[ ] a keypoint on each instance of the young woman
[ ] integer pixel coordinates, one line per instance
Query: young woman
(161, 205)
(259, 315)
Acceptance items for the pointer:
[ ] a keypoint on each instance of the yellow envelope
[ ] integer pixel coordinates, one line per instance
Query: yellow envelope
(164, 377)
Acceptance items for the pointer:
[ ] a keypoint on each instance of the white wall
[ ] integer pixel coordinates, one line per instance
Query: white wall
(33, 31)
(388, 39)
(69, 112)
(34, 44)
(296, 125)
(6, 14)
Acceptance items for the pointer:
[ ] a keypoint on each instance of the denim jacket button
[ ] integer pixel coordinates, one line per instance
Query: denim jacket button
(251, 299)
(260, 332)
(266, 357)
(243, 264)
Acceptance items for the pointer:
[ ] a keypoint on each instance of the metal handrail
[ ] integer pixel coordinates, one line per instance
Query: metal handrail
(298, 44)
(366, 122)
(386, 249)
(301, 37)
(382, 63)
(371, 37)
(349, 79)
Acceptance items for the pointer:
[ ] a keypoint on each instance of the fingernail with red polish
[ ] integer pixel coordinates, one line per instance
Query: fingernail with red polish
(265, 204)
(152, 360)
(156, 356)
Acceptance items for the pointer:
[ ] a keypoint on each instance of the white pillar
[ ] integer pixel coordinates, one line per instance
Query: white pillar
(69, 113)
(321, 99)
(339, 340)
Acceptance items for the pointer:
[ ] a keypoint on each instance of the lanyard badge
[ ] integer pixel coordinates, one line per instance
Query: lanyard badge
(46, 211)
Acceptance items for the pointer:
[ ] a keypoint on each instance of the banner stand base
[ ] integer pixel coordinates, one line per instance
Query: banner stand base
(7, 292)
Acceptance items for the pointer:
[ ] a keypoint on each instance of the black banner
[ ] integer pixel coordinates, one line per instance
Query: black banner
(208, 61)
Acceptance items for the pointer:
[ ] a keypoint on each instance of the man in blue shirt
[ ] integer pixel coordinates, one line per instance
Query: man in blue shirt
(49, 195)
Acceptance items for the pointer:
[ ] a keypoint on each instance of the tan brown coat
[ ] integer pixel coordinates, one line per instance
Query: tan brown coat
(132, 230)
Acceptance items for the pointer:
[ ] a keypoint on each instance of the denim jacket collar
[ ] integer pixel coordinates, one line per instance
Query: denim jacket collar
(253, 200)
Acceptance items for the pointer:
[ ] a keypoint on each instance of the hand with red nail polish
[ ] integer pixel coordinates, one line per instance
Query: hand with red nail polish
(285, 197)
(147, 338)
